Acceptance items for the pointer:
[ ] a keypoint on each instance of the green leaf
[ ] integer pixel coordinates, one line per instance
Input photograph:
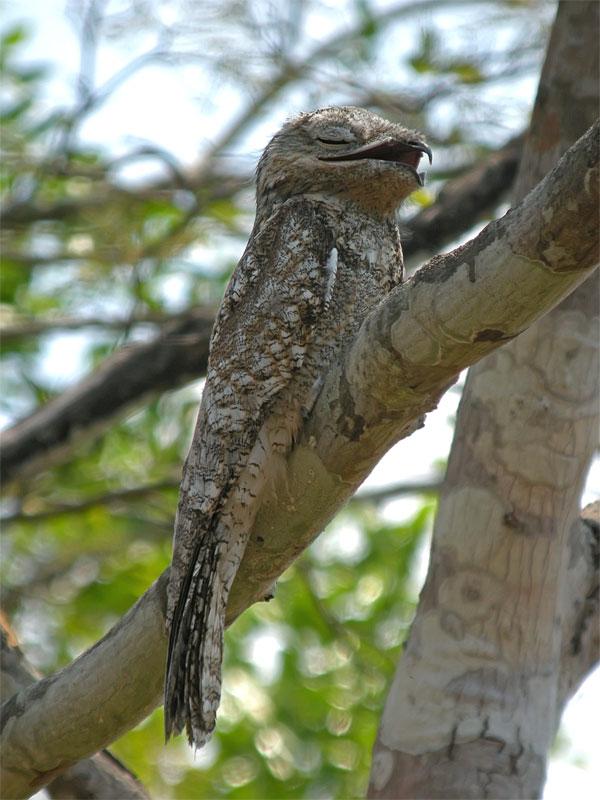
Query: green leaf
(14, 276)
(467, 72)
(13, 36)
(18, 109)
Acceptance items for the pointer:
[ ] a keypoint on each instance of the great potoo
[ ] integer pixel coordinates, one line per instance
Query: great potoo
(324, 250)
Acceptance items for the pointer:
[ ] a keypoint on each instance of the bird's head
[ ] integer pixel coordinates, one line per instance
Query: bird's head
(345, 153)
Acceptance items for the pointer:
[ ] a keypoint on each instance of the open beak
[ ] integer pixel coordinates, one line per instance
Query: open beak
(407, 153)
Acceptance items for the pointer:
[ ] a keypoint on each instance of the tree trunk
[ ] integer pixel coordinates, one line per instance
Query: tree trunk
(501, 639)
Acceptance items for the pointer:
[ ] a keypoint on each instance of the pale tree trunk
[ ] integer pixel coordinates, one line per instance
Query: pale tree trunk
(506, 627)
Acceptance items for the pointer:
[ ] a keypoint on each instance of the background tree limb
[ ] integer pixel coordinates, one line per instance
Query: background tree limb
(464, 201)
(135, 372)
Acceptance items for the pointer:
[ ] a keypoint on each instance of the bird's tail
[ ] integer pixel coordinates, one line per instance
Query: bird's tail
(193, 679)
(197, 605)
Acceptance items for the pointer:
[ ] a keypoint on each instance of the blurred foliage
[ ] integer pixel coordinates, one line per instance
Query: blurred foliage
(304, 678)
(101, 260)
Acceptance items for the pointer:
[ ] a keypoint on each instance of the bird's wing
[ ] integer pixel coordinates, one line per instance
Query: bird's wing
(272, 308)
(265, 324)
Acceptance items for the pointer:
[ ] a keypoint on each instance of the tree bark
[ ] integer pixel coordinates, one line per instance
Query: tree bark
(101, 777)
(500, 641)
(456, 310)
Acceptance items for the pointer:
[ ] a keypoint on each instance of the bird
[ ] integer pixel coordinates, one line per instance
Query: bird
(323, 252)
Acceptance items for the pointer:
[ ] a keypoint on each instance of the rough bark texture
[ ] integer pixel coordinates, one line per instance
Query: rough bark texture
(110, 687)
(501, 636)
(180, 352)
(461, 307)
(101, 777)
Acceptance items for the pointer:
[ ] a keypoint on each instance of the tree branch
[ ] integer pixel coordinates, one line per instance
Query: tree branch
(25, 327)
(202, 178)
(290, 72)
(180, 353)
(137, 371)
(110, 499)
(101, 777)
(209, 187)
(456, 310)
(394, 490)
(118, 497)
(119, 501)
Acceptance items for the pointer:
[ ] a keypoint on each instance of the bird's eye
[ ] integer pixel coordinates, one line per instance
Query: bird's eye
(332, 141)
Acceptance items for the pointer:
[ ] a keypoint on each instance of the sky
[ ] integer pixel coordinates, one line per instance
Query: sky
(158, 104)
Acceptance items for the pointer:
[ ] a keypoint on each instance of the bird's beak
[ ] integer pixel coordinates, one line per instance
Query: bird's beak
(395, 150)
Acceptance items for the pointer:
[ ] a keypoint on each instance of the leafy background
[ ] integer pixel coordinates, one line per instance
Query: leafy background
(111, 234)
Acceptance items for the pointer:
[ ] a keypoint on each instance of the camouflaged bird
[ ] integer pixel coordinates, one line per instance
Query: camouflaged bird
(324, 250)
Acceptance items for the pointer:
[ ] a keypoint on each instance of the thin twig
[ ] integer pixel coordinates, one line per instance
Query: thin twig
(106, 499)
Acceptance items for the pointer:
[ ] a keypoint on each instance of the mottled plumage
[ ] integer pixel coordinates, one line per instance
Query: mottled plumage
(324, 250)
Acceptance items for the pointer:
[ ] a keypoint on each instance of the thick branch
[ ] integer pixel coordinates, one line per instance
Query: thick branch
(180, 353)
(101, 777)
(459, 308)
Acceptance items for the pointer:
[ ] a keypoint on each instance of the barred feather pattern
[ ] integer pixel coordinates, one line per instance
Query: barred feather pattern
(193, 686)
(316, 263)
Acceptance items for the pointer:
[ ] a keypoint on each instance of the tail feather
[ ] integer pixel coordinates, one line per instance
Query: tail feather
(193, 680)
(197, 604)
(203, 667)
